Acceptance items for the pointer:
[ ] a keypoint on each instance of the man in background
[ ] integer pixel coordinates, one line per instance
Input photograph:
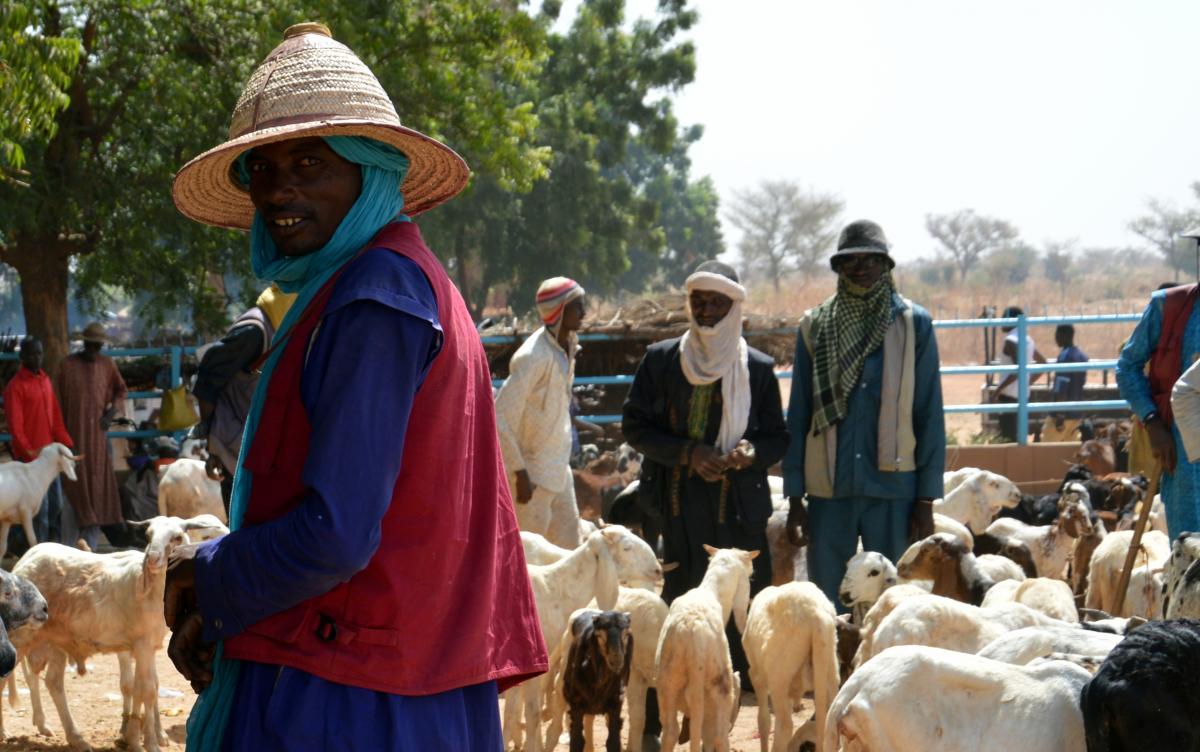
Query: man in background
(533, 416)
(92, 393)
(1007, 390)
(34, 421)
(1068, 386)
(225, 381)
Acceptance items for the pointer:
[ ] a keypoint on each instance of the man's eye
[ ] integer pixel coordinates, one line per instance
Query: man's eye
(309, 161)
(257, 167)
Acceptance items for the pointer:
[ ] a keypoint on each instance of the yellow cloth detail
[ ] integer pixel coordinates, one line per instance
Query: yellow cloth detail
(275, 303)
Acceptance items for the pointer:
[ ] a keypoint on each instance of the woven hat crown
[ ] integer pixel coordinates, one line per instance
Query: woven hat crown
(310, 76)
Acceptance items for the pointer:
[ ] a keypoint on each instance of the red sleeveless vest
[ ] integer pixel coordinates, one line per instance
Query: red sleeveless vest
(1166, 362)
(445, 602)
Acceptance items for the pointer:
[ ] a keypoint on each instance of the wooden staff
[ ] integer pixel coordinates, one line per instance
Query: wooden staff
(1139, 528)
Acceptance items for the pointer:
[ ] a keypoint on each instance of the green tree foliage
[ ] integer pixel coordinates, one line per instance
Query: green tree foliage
(687, 214)
(1160, 228)
(156, 86)
(1010, 264)
(967, 236)
(595, 104)
(784, 229)
(35, 71)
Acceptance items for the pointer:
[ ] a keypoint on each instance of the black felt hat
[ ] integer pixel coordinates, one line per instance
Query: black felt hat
(861, 236)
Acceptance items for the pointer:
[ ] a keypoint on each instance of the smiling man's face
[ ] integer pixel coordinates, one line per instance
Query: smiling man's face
(302, 189)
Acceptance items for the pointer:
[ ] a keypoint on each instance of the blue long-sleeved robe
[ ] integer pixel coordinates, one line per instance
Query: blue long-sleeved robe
(378, 336)
(1179, 488)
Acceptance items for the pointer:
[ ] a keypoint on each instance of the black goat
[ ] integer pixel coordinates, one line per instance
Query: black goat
(1034, 510)
(597, 671)
(1142, 698)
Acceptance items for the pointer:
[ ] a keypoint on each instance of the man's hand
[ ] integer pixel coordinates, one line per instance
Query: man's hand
(179, 596)
(920, 520)
(192, 656)
(741, 457)
(524, 487)
(708, 463)
(797, 522)
(107, 418)
(1162, 444)
(214, 468)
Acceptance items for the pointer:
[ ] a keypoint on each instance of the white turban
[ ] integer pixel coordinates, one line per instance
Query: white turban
(719, 352)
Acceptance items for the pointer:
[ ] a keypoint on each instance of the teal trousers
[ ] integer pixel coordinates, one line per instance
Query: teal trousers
(834, 528)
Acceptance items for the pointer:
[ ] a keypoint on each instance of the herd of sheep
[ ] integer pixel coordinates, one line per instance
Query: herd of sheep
(998, 632)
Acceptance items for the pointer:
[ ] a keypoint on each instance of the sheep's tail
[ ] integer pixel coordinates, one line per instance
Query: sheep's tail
(553, 679)
(825, 668)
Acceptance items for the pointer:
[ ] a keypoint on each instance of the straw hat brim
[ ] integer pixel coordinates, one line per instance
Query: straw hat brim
(204, 189)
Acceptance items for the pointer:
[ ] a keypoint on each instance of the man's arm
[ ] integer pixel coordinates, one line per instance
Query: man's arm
(511, 401)
(236, 351)
(14, 412)
(357, 441)
(640, 426)
(1009, 349)
(929, 420)
(799, 420)
(1131, 364)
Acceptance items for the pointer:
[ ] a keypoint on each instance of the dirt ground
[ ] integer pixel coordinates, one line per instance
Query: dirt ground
(95, 703)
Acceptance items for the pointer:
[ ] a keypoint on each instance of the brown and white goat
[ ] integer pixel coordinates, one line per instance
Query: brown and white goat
(596, 671)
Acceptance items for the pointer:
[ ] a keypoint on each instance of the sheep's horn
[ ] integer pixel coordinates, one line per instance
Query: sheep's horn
(669, 567)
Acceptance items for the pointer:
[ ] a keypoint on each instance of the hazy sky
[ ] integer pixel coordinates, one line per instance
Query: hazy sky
(1061, 116)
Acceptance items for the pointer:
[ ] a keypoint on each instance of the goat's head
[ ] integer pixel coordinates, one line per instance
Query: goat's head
(21, 602)
(1097, 455)
(1074, 511)
(165, 535)
(933, 553)
(868, 574)
(63, 459)
(610, 630)
(634, 558)
(629, 460)
(734, 567)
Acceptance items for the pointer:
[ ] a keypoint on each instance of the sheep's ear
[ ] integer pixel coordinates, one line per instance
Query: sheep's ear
(710, 550)
(752, 555)
(1093, 614)
(142, 525)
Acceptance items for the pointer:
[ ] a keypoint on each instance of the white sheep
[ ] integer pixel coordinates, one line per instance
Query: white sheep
(868, 574)
(1142, 597)
(791, 647)
(917, 698)
(185, 490)
(1021, 646)
(888, 601)
(590, 571)
(944, 524)
(695, 673)
(101, 603)
(1049, 596)
(946, 623)
(975, 501)
(539, 551)
(1051, 545)
(951, 479)
(23, 486)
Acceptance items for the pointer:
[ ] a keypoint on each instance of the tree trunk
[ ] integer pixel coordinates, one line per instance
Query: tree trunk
(43, 267)
(464, 278)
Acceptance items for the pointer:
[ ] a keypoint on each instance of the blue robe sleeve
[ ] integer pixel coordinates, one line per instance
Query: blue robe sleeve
(376, 341)
(1131, 365)
(929, 421)
(799, 420)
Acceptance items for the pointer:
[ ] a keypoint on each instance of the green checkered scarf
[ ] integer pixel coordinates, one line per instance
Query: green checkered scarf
(846, 328)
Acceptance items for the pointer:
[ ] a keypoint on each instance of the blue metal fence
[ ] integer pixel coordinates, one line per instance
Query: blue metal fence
(1023, 368)
(174, 352)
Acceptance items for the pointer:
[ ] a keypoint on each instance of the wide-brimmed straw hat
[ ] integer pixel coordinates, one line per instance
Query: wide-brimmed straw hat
(312, 85)
(95, 332)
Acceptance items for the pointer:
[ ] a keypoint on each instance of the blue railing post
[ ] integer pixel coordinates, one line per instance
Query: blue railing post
(176, 365)
(1022, 381)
